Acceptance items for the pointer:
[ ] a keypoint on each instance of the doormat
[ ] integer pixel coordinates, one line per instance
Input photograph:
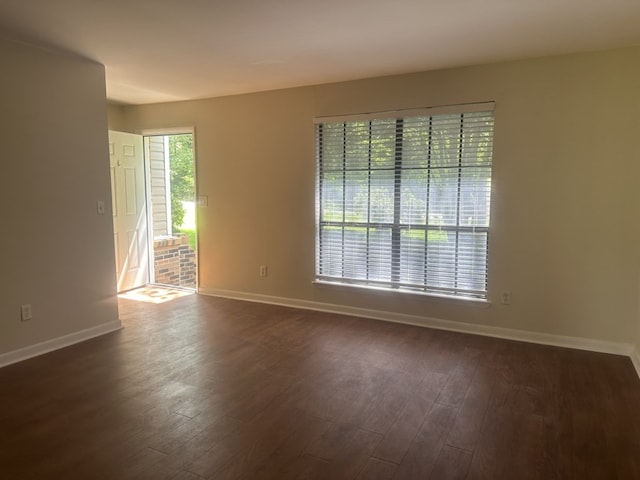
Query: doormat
(155, 294)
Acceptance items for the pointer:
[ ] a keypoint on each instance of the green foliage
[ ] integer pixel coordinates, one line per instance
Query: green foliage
(191, 234)
(182, 175)
(177, 212)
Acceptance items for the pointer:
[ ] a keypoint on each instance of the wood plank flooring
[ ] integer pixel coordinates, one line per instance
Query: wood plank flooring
(206, 388)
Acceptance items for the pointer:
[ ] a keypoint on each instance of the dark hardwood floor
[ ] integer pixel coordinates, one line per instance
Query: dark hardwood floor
(211, 388)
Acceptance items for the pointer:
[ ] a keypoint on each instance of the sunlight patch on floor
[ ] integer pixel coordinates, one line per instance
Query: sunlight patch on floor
(155, 294)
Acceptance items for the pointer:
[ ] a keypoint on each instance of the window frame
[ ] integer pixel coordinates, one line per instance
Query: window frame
(397, 226)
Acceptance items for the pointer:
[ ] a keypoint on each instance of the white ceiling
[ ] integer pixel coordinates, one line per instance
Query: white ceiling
(166, 50)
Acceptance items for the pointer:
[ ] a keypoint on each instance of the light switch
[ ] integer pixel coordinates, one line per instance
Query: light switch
(100, 207)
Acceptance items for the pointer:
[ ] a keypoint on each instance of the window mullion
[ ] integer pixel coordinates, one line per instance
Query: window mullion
(397, 185)
(344, 190)
(369, 201)
(320, 199)
(427, 198)
(459, 195)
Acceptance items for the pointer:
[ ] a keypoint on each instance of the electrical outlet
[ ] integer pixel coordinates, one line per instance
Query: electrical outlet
(25, 312)
(506, 298)
(263, 270)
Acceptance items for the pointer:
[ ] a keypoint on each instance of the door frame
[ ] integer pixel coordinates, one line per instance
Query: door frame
(155, 132)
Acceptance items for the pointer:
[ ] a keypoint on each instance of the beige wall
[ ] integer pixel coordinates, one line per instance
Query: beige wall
(55, 252)
(565, 226)
(637, 343)
(116, 119)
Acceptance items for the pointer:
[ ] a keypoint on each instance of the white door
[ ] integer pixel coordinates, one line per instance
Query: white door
(129, 210)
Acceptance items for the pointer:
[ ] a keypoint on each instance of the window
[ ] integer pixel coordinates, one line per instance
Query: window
(403, 200)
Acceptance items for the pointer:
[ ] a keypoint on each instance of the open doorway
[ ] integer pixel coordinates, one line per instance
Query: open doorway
(153, 200)
(171, 201)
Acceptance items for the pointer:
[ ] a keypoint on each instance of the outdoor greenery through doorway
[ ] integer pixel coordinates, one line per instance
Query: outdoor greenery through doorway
(182, 184)
(171, 181)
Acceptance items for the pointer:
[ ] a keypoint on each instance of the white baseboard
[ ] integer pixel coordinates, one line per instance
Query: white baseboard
(475, 329)
(57, 343)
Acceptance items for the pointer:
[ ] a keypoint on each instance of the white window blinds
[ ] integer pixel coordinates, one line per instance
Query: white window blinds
(403, 201)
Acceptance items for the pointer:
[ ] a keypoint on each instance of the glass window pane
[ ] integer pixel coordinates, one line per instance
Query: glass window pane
(356, 196)
(441, 259)
(383, 143)
(416, 146)
(332, 206)
(332, 147)
(413, 197)
(379, 260)
(331, 256)
(357, 146)
(412, 256)
(355, 256)
(475, 192)
(443, 197)
(472, 261)
(382, 202)
(445, 141)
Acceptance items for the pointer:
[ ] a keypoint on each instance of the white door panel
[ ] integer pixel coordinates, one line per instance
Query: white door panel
(129, 210)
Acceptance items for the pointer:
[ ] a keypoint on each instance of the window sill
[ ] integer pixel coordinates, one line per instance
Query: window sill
(367, 289)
